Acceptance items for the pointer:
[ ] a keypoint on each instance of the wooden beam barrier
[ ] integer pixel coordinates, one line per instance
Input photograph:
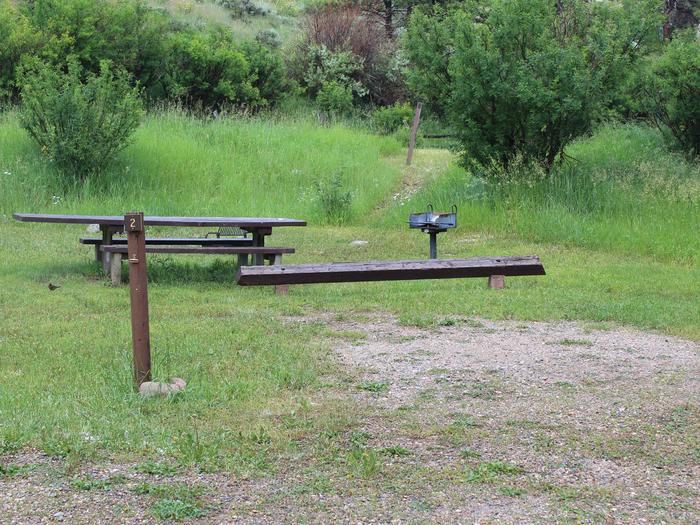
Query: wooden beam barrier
(389, 270)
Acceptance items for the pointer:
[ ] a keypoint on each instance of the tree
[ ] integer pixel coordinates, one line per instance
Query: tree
(673, 91)
(522, 77)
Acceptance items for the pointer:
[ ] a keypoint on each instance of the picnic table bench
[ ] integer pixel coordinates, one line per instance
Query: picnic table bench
(268, 253)
(110, 225)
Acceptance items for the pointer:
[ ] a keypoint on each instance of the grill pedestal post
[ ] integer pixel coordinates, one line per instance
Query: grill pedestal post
(433, 245)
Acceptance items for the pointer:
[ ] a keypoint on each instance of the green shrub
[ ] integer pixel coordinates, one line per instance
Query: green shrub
(390, 119)
(267, 73)
(673, 91)
(335, 98)
(521, 77)
(207, 69)
(335, 199)
(18, 37)
(79, 124)
(128, 33)
(169, 60)
(341, 43)
(321, 66)
(269, 37)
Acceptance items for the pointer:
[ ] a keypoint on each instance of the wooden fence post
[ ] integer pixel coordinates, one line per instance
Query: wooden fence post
(414, 132)
(138, 284)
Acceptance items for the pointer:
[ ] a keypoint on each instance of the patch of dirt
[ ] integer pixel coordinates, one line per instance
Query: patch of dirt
(605, 424)
(475, 422)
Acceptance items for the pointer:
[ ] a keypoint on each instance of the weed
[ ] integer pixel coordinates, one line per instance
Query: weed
(156, 468)
(487, 390)
(373, 386)
(468, 453)
(91, 483)
(364, 462)
(175, 509)
(395, 450)
(335, 198)
(681, 417)
(489, 471)
(194, 451)
(574, 342)
(317, 485)
(512, 491)
(359, 438)
(422, 505)
(8, 470)
(465, 421)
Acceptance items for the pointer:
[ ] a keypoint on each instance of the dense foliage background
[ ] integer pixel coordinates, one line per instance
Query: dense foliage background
(510, 80)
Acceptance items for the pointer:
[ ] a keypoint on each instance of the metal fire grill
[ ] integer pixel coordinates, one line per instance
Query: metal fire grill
(432, 223)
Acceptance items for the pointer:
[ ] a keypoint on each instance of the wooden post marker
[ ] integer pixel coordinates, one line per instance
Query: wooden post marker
(414, 132)
(138, 283)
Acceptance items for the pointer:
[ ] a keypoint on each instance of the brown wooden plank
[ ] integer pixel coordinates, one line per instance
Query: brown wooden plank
(211, 241)
(389, 270)
(111, 248)
(156, 220)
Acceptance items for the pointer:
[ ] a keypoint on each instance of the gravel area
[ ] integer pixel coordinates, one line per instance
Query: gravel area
(474, 421)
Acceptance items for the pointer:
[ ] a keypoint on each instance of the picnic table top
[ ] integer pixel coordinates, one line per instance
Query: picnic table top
(156, 220)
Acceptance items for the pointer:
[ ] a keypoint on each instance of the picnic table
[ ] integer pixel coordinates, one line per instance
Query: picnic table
(259, 227)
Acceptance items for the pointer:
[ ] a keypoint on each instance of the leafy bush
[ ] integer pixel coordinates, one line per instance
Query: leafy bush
(18, 38)
(79, 124)
(243, 8)
(170, 60)
(335, 199)
(204, 68)
(321, 66)
(390, 119)
(269, 37)
(673, 91)
(128, 33)
(267, 73)
(335, 98)
(524, 76)
(341, 44)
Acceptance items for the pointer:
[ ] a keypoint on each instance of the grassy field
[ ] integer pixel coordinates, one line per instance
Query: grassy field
(262, 380)
(182, 165)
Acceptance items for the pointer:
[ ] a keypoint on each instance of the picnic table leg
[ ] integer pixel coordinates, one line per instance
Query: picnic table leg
(104, 257)
(258, 240)
(115, 269)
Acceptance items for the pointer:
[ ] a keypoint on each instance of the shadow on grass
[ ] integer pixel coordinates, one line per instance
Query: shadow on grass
(168, 270)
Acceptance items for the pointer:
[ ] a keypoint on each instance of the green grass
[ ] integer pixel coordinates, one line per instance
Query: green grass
(65, 361)
(624, 193)
(183, 165)
(490, 471)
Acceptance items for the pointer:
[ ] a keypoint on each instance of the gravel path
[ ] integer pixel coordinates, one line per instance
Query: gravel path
(471, 422)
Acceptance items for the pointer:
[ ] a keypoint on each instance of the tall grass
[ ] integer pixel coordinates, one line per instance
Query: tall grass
(181, 165)
(623, 191)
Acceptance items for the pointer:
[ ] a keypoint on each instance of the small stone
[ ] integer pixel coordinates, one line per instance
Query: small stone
(93, 228)
(358, 243)
(177, 383)
(154, 388)
(58, 516)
